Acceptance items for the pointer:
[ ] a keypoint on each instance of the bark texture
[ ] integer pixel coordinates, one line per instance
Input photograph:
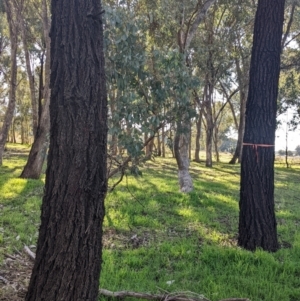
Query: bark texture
(181, 151)
(257, 223)
(36, 158)
(68, 259)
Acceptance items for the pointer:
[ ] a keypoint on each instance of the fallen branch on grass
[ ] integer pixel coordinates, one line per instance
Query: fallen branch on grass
(29, 253)
(185, 296)
(180, 296)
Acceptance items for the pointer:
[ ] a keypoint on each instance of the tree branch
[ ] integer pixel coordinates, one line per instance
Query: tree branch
(289, 25)
(199, 18)
(184, 296)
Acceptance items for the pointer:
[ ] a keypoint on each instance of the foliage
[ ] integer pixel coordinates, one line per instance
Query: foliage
(282, 152)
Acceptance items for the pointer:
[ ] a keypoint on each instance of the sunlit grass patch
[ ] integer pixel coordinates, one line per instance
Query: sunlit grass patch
(157, 239)
(20, 201)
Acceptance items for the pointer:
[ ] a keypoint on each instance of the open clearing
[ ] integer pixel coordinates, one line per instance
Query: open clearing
(158, 239)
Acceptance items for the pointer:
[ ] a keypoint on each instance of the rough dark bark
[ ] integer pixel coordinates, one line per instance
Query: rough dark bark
(13, 33)
(68, 258)
(36, 158)
(257, 223)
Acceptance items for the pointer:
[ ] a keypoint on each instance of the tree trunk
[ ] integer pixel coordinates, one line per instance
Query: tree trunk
(36, 158)
(190, 141)
(237, 156)
(163, 145)
(198, 136)
(158, 144)
(9, 114)
(68, 259)
(209, 124)
(242, 76)
(257, 223)
(216, 142)
(34, 107)
(181, 145)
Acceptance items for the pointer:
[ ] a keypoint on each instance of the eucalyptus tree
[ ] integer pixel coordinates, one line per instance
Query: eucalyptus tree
(214, 60)
(148, 83)
(27, 41)
(68, 257)
(257, 223)
(12, 19)
(39, 147)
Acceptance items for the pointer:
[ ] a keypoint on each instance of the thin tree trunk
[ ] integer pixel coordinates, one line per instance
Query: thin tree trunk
(69, 248)
(243, 84)
(8, 117)
(163, 139)
(198, 136)
(34, 107)
(209, 125)
(158, 144)
(41, 88)
(37, 155)
(13, 132)
(114, 137)
(257, 223)
(190, 141)
(216, 140)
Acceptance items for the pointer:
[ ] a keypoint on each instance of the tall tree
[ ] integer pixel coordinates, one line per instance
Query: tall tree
(257, 223)
(181, 149)
(68, 260)
(13, 33)
(36, 158)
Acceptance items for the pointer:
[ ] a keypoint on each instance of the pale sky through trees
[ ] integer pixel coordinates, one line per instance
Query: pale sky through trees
(293, 136)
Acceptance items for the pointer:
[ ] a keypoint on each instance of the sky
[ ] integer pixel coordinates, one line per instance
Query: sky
(293, 137)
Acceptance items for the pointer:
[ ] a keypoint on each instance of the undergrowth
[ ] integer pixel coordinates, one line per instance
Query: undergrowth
(158, 239)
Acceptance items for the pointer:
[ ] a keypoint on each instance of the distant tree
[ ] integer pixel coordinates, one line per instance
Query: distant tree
(257, 223)
(297, 150)
(68, 257)
(12, 18)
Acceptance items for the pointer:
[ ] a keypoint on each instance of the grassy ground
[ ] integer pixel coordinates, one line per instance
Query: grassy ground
(156, 238)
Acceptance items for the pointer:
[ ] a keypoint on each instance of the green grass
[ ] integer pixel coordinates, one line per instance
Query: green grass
(154, 234)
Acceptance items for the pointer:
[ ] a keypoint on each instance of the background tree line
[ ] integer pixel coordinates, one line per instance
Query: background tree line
(168, 79)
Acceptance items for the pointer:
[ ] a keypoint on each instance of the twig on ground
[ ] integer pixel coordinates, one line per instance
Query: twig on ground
(29, 253)
(184, 296)
(10, 256)
(165, 297)
(4, 280)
